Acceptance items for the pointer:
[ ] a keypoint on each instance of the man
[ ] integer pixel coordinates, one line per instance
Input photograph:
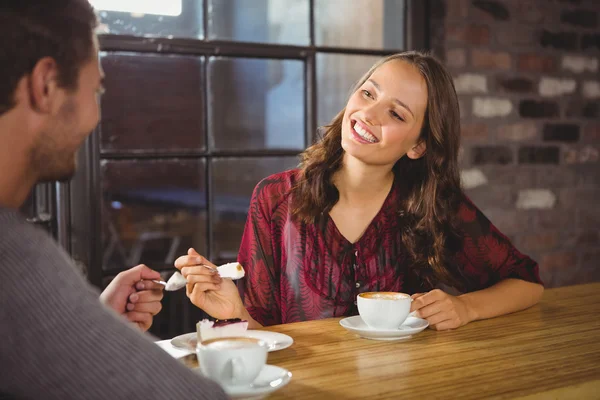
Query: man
(57, 340)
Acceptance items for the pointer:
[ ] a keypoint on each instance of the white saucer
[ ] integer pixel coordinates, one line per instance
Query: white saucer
(275, 341)
(270, 379)
(408, 328)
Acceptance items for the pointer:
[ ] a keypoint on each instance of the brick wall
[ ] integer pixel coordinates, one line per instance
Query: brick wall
(527, 75)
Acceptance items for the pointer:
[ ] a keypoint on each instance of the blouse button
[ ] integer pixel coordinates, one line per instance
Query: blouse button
(357, 285)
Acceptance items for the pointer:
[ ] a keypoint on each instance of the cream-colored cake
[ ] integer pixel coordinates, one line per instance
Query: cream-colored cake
(232, 270)
(207, 329)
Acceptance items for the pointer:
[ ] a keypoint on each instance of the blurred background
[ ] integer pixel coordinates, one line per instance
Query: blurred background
(206, 97)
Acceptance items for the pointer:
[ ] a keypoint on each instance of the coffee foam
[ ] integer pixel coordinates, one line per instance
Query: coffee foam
(384, 295)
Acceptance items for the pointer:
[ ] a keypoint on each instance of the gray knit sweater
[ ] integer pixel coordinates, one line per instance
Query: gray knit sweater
(58, 342)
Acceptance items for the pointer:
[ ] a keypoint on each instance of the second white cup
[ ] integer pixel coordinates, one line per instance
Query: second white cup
(383, 310)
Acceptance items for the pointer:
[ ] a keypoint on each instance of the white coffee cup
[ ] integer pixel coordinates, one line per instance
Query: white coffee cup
(232, 361)
(383, 310)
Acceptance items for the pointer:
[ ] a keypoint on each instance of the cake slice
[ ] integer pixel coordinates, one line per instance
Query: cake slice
(207, 329)
(232, 270)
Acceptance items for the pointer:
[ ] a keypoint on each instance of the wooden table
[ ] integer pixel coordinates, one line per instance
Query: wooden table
(549, 351)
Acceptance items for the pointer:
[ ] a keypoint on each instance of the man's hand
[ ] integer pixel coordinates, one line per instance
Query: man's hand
(133, 294)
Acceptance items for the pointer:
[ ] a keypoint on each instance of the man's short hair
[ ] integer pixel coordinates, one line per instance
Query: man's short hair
(33, 29)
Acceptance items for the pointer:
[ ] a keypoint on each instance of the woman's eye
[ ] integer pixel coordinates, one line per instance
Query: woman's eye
(367, 93)
(397, 116)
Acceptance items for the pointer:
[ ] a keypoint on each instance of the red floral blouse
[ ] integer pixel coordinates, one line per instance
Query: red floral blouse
(298, 272)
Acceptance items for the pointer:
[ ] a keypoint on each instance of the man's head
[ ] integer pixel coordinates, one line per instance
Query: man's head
(49, 83)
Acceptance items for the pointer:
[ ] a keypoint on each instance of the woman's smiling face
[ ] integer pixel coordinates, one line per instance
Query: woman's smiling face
(383, 118)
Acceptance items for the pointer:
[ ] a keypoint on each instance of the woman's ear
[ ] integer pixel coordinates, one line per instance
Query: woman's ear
(417, 151)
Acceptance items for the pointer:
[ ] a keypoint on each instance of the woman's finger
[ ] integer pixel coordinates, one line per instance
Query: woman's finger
(185, 261)
(438, 318)
(193, 279)
(197, 270)
(204, 287)
(191, 260)
(429, 310)
(446, 325)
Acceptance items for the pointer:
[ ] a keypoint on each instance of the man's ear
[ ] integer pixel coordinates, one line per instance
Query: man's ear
(417, 151)
(43, 85)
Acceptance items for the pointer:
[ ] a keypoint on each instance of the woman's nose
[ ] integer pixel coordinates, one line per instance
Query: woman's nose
(371, 115)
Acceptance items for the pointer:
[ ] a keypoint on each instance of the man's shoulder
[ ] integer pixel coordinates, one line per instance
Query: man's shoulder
(21, 240)
(16, 230)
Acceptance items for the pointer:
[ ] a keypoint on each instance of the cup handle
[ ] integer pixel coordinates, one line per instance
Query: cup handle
(237, 368)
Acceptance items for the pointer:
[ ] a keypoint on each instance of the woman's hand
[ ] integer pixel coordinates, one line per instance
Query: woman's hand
(441, 310)
(207, 290)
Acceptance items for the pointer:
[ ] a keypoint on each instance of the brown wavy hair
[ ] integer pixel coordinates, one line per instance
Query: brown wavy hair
(429, 186)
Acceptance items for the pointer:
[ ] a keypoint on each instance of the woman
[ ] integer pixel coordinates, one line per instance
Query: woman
(375, 206)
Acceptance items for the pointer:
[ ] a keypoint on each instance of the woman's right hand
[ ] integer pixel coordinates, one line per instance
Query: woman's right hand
(207, 290)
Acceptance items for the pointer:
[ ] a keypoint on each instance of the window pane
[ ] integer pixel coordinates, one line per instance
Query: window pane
(256, 104)
(152, 211)
(233, 182)
(173, 18)
(367, 24)
(336, 76)
(152, 103)
(263, 21)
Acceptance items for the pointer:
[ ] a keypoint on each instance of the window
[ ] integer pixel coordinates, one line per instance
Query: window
(151, 18)
(140, 7)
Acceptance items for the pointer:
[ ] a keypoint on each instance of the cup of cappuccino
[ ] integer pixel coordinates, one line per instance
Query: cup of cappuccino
(383, 310)
(232, 361)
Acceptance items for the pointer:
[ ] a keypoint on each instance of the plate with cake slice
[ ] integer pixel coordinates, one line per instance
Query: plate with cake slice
(230, 328)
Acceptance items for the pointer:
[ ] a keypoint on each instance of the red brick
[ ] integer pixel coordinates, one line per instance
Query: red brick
(536, 63)
(529, 11)
(578, 274)
(558, 260)
(586, 238)
(457, 9)
(553, 219)
(584, 155)
(540, 241)
(470, 34)
(591, 132)
(488, 59)
(511, 222)
(518, 132)
(517, 36)
(474, 131)
(588, 216)
(590, 268)
(456, 58)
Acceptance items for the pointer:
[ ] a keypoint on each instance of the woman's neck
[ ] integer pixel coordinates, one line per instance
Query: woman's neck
(358, 182)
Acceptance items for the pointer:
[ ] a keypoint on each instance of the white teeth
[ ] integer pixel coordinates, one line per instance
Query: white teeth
(364, 134)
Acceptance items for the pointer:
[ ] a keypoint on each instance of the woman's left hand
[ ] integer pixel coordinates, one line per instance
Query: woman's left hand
(441, 310)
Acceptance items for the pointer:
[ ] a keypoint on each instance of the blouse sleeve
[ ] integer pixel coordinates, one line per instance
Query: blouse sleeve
(260, 288)
(487, 256)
